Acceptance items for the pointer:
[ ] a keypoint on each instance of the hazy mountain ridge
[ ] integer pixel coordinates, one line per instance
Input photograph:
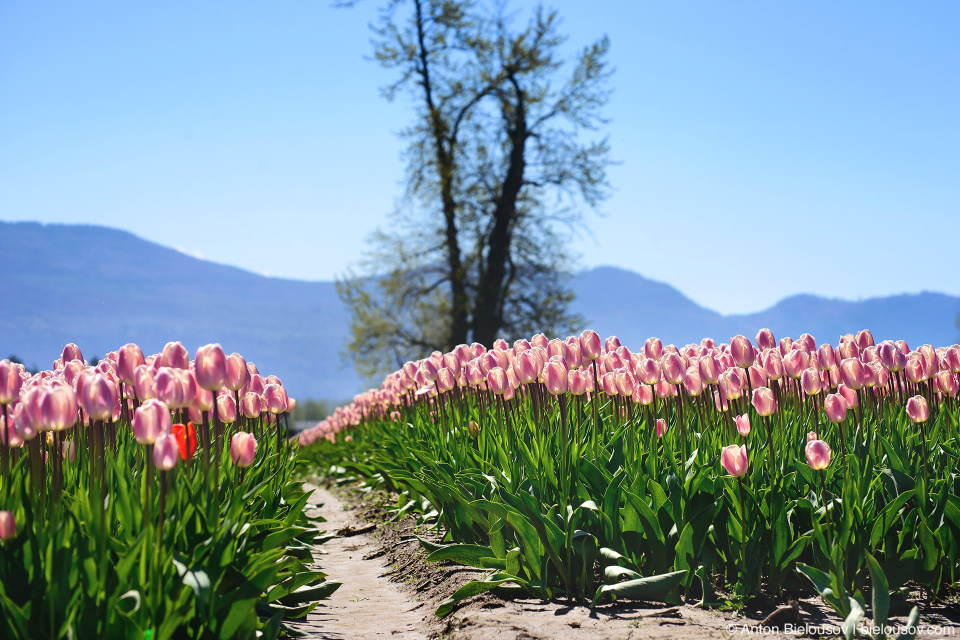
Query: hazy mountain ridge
(102, 287)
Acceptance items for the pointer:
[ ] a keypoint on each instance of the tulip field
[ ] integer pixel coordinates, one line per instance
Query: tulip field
(151, 497)
(582, 470)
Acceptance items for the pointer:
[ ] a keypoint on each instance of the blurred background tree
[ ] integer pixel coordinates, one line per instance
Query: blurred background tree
(503, 159)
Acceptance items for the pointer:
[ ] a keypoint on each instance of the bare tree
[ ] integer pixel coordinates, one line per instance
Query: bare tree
(503, 157)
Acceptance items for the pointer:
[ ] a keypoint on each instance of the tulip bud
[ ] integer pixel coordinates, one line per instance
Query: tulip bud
(150, 420)
(765, 339)
(709, 369)
(473, 429)
(818, 455)
(8, 527)
(590, 345)
(526, 365)
(849, 395)
(210, 367)
(734, 460)
(835, 407)
(243, 449)
(917, 409)
(165, 451)
(661, 427)
(743, 425)
(764, 401)
(948, 383)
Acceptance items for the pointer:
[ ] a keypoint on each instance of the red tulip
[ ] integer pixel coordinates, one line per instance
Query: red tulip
(186, 436)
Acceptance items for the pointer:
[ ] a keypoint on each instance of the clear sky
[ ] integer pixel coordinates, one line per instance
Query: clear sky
(766, 148)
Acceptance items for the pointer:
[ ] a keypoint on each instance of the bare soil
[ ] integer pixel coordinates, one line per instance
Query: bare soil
(390, 591)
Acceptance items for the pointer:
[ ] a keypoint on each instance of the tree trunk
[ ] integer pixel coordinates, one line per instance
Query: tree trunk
(488, 314)
(444, 148)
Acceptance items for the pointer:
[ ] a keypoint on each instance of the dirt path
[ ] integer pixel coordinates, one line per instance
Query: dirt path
(368, 605)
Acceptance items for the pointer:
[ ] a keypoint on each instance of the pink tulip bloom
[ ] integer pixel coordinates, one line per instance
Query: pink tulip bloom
(129, 357)
(8, 527)
(473, 373)
(795, 362)
(818, 455)
(150, 420)
(835, 407)
(590, 344)
(8, 432)
(692, 382)
(758, 377)
(210, 367)
(734, 460)
(665, 390)
(643, 394)
(275, 399)
(497, 380)
(916, 369)
(144, 383)
(98, 397)
(661, 427)
(251, 405)
(445, 380)
(773, 364)
(826, 357)
(26, 416)
(175, 356)
(742, 351)
(648, 371)
(538, 340)
(58, 407)
(673, 368)
(653, 348)
(764, 401)
(811, 382)
(917, 409)
(68, 450)
(849, 395)
(709, 369)
(809, 341)
(202, 400)
(166, 452)
(608, 384)
(625, 382)
(10, 383)
(864, 339)
(811, 436)
(577, 382)
(170, 388)
(765, 339)
(574, 357)
(851, 373)
(527, 367)
(892, 357)
(730, 385)
(948, 383)
(71, 352)
(743, 425)
(555, 377)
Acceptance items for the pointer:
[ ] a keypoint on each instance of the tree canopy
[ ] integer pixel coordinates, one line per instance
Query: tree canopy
(504, 156)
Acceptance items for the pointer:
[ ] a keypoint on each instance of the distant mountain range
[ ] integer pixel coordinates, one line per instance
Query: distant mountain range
(102, 287)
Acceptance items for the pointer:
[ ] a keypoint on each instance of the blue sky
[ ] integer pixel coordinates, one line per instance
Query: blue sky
(765, 148)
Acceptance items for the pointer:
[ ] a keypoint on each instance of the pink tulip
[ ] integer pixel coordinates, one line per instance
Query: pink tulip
(497, 380)
(892, 357)
(555, 377)
(730, 385)
(661, 427)
(527, 367)
(251, 405)
(71, 352)
(643, 394)
(826, 357)
(608, 383)
(917, 409)
(275, 399)
(129, 357)
(709, 369)
(849, 395)
(764, 401)
(175, 356)
(8, 527)
(765, 339)
(692, 382)
(210, 367)
(243, 449)
(653, 348)
(818, 455)
(10, 382)
(773, 364)
(930, 359)
(951, 359)
(8, 432)
(170, 388)
(473, 373)
(648, 371)
(58, 408)
(237, 374)
(625, 382)
(811, 382)
(577, 382)
(144, 383)
(590, 344)
(835, 407)
(742, 351)
(665, 390)
(743, 425)
(851, 373)
(734, 460)
(673, 368)
(166, 453)
(202, 400)
(916, 369)
(758, 377)
(795, 362)
(948, 383)
(864, 339)
(150, 420)
(445, 380)
(809, 341)
(26, 416)
(68, 450)
(98, 397)
(811, 436)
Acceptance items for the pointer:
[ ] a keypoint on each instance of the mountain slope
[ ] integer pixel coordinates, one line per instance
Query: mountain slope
(102, 287)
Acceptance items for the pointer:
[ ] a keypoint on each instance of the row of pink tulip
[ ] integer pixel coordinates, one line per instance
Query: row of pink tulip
(124, 380)
(584, 365)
